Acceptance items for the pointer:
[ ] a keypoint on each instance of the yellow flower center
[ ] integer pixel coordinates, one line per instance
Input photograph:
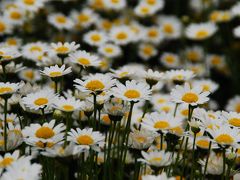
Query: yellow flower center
(29, 74)
(62, 49)
(177, 130)
(203, 143)
(156, 159)
(15, 15)
(83, 17)
(170, 59)
(166, 109)
(190, 97)
(55, 74)
(161, 125)
(35, 48)
(44, 132)
(41, 101)
(121, 36)
(237, 108)
(234, 122)
(61, 19)
(168, 29)
(184, 112)
(68, 108)
(216, 60)
(2, 27)
(83, 61)
(6, 161)
(144, 10)
(153, 33)
(106, 119)
(95, 85)
(161, 100)
(141, 139)
(201, 34)
(151, 2)
(11, 41)
(29, 2)
(148, 50)
(5, 90)
(205, 87)
(115, 1)
(193, 56)
(132, 94)
(96, 37)
(85, 140)
(224, 139)
(109, 50)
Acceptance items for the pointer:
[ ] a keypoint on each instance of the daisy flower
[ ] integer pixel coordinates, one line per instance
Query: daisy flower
(9, 88)
(144, 9)
(192, 96)
(206, 84)
(84, 59)
(121, 35)
(236, 9)
(156, 158)
(233, 104)
(114, 4)
(85, 18)
(153, 35)
(95, 38)
(67, 105)
(216, 61)
(170, 60)
(5, 26)
(123, 73)
(225, 135)
(29, 49)
(170, 26)
(86, 138)
(15, 16)
(232, 118)
(30, 5)
(44, 136)
(60, 21)
(200, 31)
(23, 169)
(110, 50)
(147, 51)
(8, 53)
(160, 121)
(194, 54)
(8, 159)
(64, 48)
(95, 83)
(133, 91)
(13, 41)
(56, 71)
(179, 76)
(156, 3)
(39, 100)
(29, 75)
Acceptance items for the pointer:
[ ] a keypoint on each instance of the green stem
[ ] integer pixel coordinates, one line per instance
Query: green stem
(224, 162)
(5, 124)
(193, 160)
(205, 167)
(95, 111)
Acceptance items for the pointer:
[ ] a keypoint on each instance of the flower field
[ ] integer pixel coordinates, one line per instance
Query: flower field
(119, 89)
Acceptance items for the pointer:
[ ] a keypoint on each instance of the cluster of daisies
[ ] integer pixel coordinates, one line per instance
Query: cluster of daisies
(92, 88)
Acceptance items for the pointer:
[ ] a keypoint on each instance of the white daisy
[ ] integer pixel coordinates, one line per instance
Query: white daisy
(5, 26)
(29, 75)
(30, 5)
(200, 31)
(110, 50)
(39, 100)
(67, 104)
(84, 59)
(60, 21)
(95, 38)
(153, 35)
(56, 71)
(170, 60)
(133, 91)
(147, 51)
(86, 138)
(8, 159)
(64, 48)
(192, 96)
(179, 75)
(194, 54)
(95, 83)
(114, 4)
(121, 35)
(9, 88)
(206, 84)
(16, 16)
(233, 104)
(44, 136)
